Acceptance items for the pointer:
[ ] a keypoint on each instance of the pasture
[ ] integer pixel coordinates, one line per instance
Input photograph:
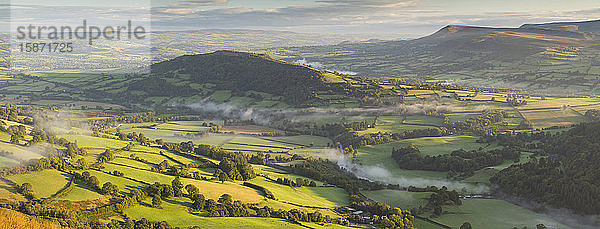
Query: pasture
(305, 196)
(176, 214)
(45, 183)
(493, 214)
(399, 124)
(399, 199)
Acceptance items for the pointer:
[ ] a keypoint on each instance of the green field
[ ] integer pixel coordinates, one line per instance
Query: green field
(399, 199)
(94, 142)
(377, 161)
(399, 124)
(305, 196)
(45, 183)
(81, 193)
(405, 106)
(493, 214)
(175, 213)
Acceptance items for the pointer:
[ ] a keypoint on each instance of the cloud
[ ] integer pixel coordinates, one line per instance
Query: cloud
(355, 16)
(326, 13)
(74, 15)
(187, 7)
(416, 17)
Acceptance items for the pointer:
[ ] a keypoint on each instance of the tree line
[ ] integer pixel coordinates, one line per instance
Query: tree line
(566, 174)
(459, 161)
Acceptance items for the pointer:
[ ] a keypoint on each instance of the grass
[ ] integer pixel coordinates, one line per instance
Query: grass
(94, 142)
(258, 148)
(398, 124)
(130, 162)
(380, 156)
(125, 185)
(322, 120)
(306, 196)
(221, 96)
(7, 162)
(81, 193)
(150, 157)
(301, 140)
(376, 161)
(422, 224)
(433, 146)
(175, 213)
(549, 118)
(275, 204)
(399, 199)
(9, 193)
(493, 214)
(213, 139)
(45, 183)
(559, 102)
(210, 189)
(557, 111)
(248, 129)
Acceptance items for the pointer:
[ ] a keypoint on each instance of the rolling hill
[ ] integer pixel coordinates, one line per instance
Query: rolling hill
(584, 26)
(240, 78)
(236, 71)
(546, 57)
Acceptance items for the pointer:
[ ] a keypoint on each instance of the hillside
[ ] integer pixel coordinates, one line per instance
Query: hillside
(585, 26)
(538, 58)
(570, 168)
(236, 71)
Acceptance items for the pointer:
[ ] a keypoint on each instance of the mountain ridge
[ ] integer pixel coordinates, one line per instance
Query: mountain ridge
(592, 26)
(537, 58)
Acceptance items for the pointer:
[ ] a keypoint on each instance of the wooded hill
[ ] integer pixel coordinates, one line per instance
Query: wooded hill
(236, 71)
(567, 178)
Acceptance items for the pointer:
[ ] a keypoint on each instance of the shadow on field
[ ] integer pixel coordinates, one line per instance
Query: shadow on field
(172, 201)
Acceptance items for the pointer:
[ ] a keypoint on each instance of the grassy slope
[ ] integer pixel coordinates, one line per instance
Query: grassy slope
(175, 212)
(306, 196)
(45, 183)
(380, 155)
(494, 214)
(400, 199)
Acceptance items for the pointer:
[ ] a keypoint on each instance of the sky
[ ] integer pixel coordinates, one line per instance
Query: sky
(403, 17)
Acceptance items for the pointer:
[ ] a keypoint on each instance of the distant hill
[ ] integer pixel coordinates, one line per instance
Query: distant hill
(167, 45)
(543, 57)
(584, 26)
(238, 72)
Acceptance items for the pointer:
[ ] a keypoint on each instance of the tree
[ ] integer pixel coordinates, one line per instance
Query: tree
(14, 138)
(437, 210)
(156, 201)
(525, 124)
(225, 199)
(27, 190)
(177, 186)
(96, 224)
(191, 190)
(137, 194)
(81, 163)
(198, 203)
(167, 191)
(221, 175)
(300, 182)
(110, 189)
(466, 225)
(163, 165)
(93, 181)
